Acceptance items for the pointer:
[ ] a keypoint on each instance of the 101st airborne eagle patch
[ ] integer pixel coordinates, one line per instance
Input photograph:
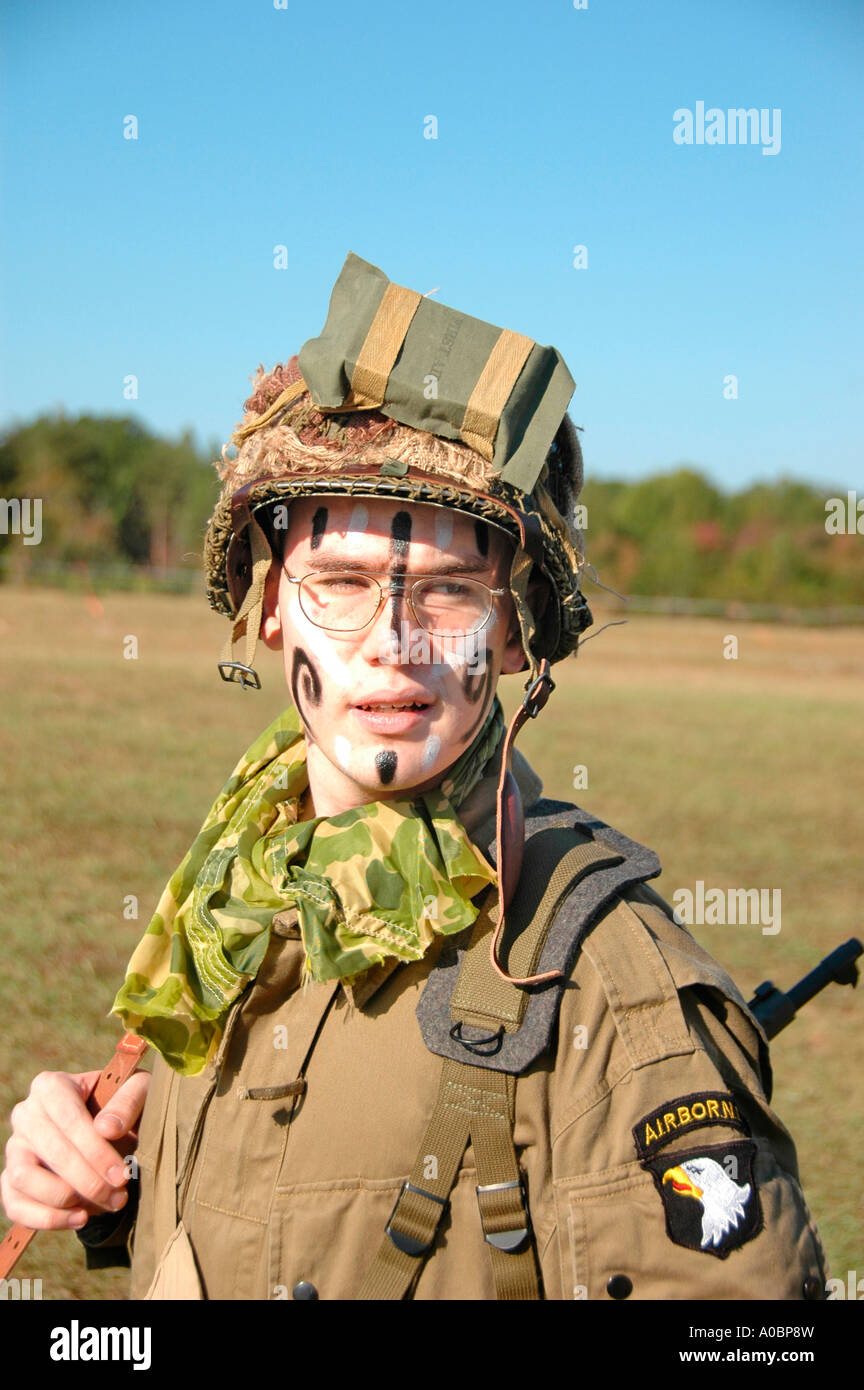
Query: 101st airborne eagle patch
(709, 1194)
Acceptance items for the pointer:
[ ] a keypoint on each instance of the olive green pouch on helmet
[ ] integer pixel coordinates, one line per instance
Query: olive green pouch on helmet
(388, 348)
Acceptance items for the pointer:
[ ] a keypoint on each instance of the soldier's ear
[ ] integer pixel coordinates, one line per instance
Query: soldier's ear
(513, 658)
(271, 617)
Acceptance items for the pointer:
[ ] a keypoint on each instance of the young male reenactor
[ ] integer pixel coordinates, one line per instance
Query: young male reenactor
(420, 1031)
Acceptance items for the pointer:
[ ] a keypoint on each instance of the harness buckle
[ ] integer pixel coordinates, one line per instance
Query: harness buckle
(254, 681)
(513, 1237)
(410, 1245)
(537, 692)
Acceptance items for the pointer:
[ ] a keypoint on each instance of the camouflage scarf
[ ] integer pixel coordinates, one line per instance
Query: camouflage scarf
(376, 881)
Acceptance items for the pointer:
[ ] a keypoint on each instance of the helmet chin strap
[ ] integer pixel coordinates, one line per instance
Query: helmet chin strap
(248, 619)
(510, 821)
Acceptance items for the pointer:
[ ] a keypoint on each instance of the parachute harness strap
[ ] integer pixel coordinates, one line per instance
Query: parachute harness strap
(476, 1105)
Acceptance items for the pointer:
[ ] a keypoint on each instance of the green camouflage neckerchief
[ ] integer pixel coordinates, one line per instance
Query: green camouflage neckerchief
(376, 881)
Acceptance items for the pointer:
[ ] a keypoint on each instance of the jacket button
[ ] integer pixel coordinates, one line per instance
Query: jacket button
(305, 1291)
(812, 1288)
(619, 1286)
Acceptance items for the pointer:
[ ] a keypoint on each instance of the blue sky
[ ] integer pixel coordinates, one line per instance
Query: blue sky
(303, 126)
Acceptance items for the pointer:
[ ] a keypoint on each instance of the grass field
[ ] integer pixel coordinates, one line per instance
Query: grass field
(743, 772)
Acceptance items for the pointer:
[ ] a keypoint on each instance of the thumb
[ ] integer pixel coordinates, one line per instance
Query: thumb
(123, 1109)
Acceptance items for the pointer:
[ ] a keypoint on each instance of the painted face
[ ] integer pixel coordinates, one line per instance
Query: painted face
(387, 709)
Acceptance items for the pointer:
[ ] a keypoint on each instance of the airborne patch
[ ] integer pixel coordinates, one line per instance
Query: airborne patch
(709, 1196)
(687, 1113)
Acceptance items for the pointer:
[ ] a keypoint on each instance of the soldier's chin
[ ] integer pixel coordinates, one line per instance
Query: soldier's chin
(400, 772)
(382, 769)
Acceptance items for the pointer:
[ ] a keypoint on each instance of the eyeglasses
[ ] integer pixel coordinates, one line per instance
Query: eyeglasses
(345, 601)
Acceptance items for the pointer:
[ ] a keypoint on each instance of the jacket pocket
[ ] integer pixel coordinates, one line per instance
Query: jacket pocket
(176, 1274)
(328, 1235)
(617, 1240)
(606, 1227)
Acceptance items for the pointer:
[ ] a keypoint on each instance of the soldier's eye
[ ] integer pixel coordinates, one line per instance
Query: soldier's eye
(333, 584)
(446, 588)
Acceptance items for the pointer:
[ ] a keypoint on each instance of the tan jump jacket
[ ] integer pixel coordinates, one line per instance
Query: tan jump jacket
(654, 1166)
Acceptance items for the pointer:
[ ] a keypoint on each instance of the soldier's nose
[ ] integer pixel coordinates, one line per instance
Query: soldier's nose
(388, 639)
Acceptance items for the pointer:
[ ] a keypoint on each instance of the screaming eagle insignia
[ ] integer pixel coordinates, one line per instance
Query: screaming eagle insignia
(709, 1196)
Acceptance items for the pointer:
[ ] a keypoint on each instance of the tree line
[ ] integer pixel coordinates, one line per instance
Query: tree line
(677, 534)
(116, 495)
(112, 493)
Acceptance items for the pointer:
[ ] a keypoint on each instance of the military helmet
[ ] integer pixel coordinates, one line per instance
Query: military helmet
(402, 397)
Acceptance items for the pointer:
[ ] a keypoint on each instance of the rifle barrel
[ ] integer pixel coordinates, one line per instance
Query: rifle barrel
(775, 1009)
(841, 962)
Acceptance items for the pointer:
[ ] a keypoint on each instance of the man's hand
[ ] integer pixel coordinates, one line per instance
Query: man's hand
(60, 1168)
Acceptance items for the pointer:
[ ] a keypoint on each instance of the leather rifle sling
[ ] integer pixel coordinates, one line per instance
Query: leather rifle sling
(130, 1050)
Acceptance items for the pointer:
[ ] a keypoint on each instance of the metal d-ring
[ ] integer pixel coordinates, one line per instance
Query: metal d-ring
(480, 1046)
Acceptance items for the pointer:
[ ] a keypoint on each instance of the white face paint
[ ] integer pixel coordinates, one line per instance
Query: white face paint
(431, 749)
(466, 652)
(359, 519)
(342, 749)
(320, 645)
(443, 528)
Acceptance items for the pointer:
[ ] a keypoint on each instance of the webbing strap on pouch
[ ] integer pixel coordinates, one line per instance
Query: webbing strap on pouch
(130, 1050)
(492, 391)
(381, 347)
(477, 1106)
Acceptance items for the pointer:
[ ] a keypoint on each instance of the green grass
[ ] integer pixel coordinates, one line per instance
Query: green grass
(740, 773)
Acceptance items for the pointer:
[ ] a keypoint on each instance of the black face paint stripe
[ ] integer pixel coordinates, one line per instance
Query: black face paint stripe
(386, 762)
(478, 687)
(400, 540)
(475, 681)
(305, 679)
(481, 531)
(400, 534)
(319, 526)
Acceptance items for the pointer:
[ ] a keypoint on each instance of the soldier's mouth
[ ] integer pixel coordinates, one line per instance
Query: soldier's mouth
(391, 699)
(379, 705)
(388, 716)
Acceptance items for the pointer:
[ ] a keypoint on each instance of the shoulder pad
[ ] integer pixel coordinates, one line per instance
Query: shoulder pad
(574, 909)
